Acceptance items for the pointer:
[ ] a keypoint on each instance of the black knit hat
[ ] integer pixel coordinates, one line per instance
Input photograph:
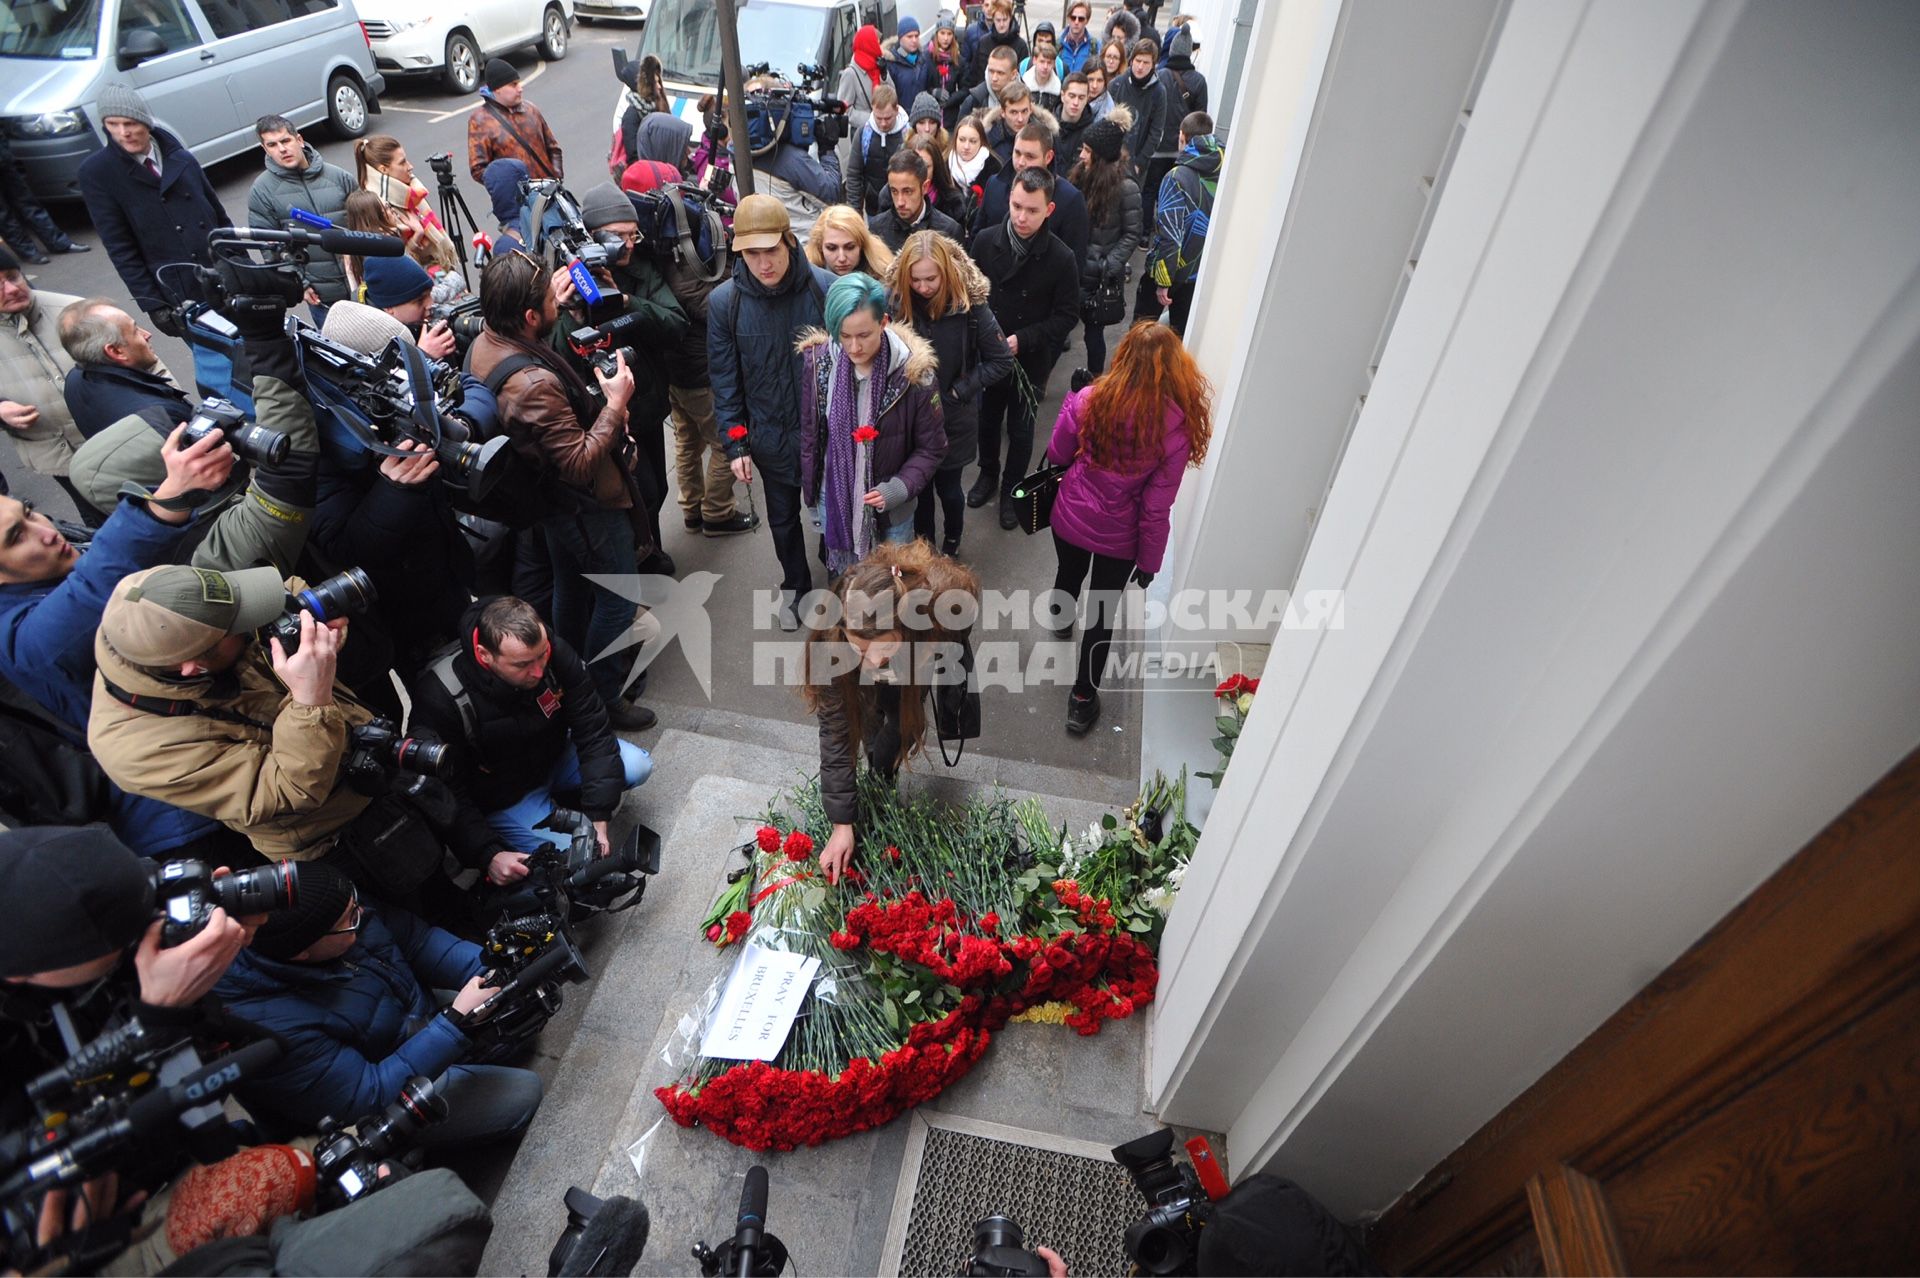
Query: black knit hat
(8, 262)
(73, 894)
(1105, 139)
(501, 73)
(324, 893)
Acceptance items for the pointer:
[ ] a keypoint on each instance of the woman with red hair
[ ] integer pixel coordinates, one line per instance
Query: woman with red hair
(1126, 439)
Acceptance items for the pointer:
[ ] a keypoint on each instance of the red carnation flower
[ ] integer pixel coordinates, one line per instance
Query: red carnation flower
(768, 838)
(1232, 687)
(799, 845)
(737, 924)
(865, 434)
(736, 433)
(990, 922)
(893, 852)
(844, 940)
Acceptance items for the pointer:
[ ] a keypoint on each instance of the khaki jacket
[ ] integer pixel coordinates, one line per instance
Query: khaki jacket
(33, 370)
(276, 780)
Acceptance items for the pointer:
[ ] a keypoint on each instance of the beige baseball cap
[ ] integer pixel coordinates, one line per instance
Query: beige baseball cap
(760, 222)
(163, 616)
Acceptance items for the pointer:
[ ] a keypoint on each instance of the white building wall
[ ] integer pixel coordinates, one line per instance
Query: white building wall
(1626, 528)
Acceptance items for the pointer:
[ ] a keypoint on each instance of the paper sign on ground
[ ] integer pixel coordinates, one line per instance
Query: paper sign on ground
(757, 1008)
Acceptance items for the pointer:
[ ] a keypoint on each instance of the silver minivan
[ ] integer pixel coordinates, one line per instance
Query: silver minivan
(208, 68)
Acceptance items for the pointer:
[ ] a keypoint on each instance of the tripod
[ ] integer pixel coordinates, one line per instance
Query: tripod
(453, 208)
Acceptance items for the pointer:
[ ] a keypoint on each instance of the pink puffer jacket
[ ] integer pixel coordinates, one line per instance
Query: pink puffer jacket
(1120, 512)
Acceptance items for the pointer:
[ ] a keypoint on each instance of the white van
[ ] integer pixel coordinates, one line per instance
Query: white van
(208, 68)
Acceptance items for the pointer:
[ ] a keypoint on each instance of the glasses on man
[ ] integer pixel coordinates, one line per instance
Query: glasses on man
(355, 917)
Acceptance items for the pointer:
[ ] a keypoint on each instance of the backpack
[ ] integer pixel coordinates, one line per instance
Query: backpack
(530, 492)
(681, 224)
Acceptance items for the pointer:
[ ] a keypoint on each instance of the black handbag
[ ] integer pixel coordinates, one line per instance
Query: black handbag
(1104, 305)
(956, 708)
(1033, 497)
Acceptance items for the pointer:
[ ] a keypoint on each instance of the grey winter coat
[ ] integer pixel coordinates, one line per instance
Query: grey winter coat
(317, 187)
(754, 369)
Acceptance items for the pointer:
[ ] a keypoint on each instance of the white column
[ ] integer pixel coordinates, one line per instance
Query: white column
(1626, 529)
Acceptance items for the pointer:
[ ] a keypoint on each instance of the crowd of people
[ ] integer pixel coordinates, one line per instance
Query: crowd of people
(212, 669)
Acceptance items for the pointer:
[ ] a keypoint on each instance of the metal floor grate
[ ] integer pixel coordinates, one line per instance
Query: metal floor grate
(1078, 1203)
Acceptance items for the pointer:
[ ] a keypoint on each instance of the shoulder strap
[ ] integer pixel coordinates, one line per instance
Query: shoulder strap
(167, 708)
(506, 368)
(442, 667)
(506, 121)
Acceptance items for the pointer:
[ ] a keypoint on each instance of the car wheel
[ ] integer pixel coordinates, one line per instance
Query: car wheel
(346, 106)
(553, 34)
(463, 64)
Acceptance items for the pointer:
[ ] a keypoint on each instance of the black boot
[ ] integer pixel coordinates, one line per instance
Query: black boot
(1081, 712)
(1009, 513)
(983, 488)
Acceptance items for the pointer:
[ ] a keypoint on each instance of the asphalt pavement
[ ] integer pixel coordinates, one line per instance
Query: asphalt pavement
(577, 95)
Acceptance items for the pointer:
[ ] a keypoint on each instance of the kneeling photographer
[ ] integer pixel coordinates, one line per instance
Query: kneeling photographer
(193, 707)
(347, 984)
(524, 723)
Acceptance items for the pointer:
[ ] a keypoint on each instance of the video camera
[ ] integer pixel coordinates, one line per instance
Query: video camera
(377, 751)
(186, 894)
(379, 402)
(561, 236)
(1180, 1198)
(596, 343)
(533, 956)
(347, 1163)
(590, 883)
(155, 1096)
(236, 282)
(793, 113)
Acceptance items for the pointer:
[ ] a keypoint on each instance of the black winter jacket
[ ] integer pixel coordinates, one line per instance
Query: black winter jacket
(1066, 143)
(1150, 110)
(1112, 240)
(752, 364)
(519, 742)
(1037, 301)
(98, 395)
(973, 355)
(146, 222)
(893, 232)
(1186, 89)
(1069, 220)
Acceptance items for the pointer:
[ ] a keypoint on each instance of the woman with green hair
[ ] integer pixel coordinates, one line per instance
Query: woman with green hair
(871, 433)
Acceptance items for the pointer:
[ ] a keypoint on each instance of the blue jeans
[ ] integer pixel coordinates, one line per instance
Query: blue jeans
(897, 534)
(587, 616)
(515, 822)
(484, 1103)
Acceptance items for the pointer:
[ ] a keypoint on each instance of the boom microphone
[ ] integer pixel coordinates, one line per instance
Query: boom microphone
(332, 240)
(753, 1219)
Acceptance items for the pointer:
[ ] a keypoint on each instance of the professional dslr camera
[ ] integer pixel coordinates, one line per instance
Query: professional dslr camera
(1180, 1200)
(249, 442)
(999, 1251)
(377, 752)
(345, 594)
(347, 1163)
(375, 403)
(186, 894)
(462, 318)
(793, 113)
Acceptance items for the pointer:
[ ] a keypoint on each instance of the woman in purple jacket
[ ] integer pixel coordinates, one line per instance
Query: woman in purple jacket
(1127, 439)
(871, 433)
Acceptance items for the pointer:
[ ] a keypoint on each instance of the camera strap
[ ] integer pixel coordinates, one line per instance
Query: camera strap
(168, 708)
(533, 152)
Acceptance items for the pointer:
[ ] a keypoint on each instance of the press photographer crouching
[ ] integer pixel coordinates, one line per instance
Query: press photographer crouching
(348, 984)
(578, 450)
(193, 707)
(524, 724)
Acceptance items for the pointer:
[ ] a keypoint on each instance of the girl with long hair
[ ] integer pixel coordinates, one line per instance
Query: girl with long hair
(643, 91)
(1099, 101)
(871, 430)
(841, 242)
(941, 191)
(1126, 440)
(870, 669)
(1113, 59)
(365, 211)
(972, 165)
(938, 291)
(1105, 177)
(381, 166)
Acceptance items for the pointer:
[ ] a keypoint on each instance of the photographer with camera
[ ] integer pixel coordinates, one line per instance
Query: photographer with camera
(347, 984)
(192, 707)
(402, 288)
(579, 450)
(525, 724)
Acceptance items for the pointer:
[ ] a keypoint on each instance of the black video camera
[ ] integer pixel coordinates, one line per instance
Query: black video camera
(346, 594)
(256, 444)
(999, 1251)
(591, 883)
(400, 395)
(186, 894)
(533, 956)
(347, 1163)
(1167, 1239)
(377, 751)
(441, 162)
(588, 256)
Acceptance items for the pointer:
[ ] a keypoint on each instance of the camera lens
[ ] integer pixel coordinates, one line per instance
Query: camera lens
(258, 891)
(479, 466)
(997, 1231)
(423, 757)
(349, 593)
(258, 444)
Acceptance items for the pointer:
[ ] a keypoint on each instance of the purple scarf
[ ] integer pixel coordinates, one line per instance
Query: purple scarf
(846, 521)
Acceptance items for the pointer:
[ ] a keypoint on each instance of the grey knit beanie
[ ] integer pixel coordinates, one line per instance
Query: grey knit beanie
(123, 101)
(604, 204)
(364, 328)
(925, 107)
